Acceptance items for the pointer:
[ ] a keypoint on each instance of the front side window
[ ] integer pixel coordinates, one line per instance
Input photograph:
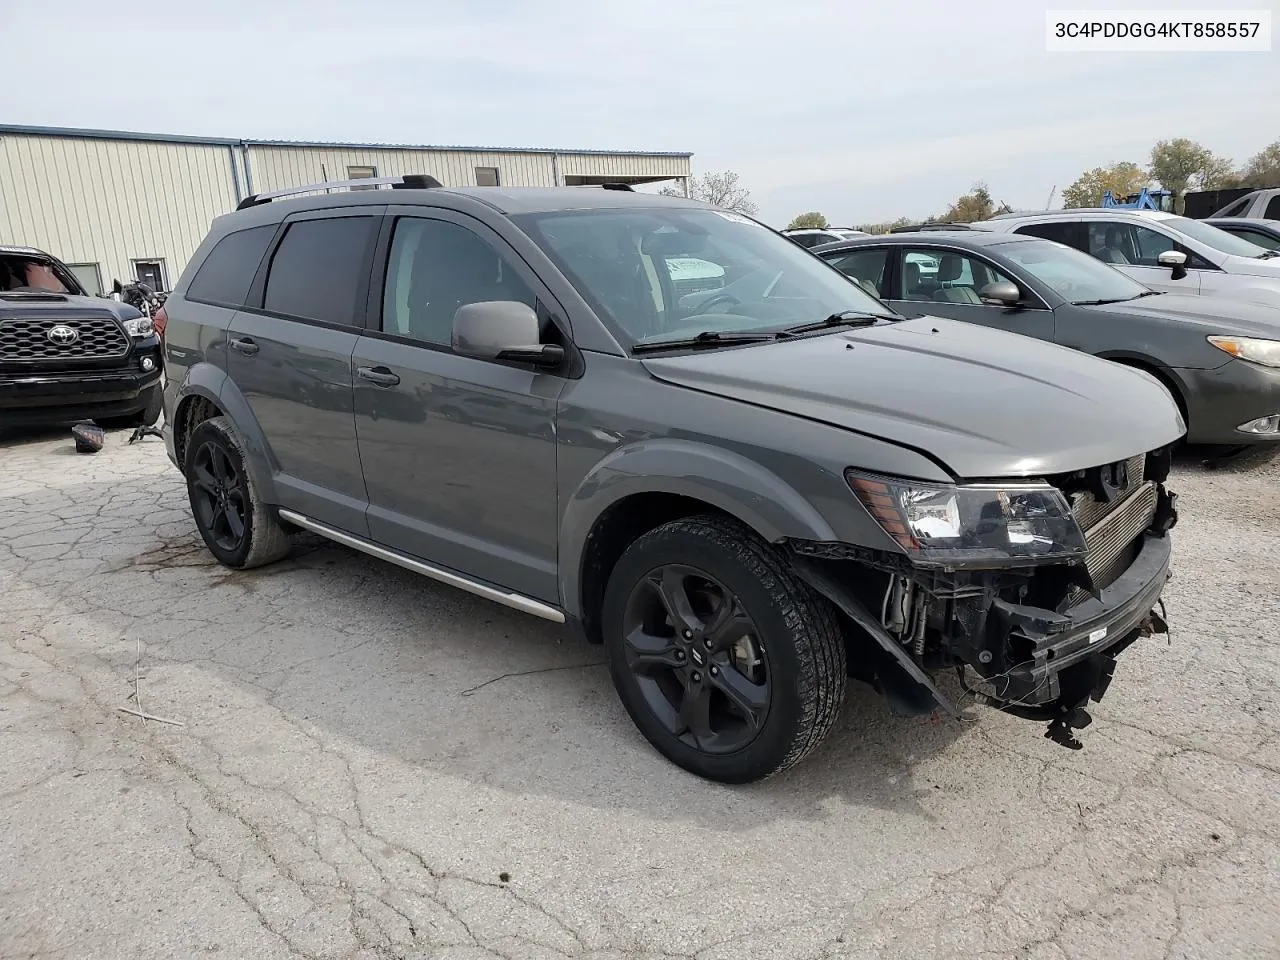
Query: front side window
(621, 261)
(1072, 275)
(955, 277)
(315, 273)
(434, 268)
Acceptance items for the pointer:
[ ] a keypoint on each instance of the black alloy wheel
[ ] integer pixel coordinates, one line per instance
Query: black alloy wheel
(697, 658)
(219, 496)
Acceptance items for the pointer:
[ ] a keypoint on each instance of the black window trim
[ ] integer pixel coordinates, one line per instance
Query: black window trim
(257, 290)
(548, 308)
(1036, 301)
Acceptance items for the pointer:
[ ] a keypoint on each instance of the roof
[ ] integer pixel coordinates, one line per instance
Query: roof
(1087, 212)
(80, 133)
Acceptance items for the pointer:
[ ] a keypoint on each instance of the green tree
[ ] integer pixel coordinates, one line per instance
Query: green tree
(722, 189)
(1263, 168)
(884, 227)
(1179, 163)
(974, 206)
(1121, 179)
(812, 220)
(1219, 173)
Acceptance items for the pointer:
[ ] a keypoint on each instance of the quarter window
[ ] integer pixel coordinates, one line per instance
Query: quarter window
(315, 273)
(1059, 231)
(229, 269)
(434, 268)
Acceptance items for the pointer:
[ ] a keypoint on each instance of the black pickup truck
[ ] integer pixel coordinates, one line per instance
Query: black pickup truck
(66, 356)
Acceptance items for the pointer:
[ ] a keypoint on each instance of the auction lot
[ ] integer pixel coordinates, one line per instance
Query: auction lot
(370, 766)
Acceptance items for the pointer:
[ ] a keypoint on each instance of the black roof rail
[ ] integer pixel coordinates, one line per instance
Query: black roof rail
(617, 186)
(408, 181)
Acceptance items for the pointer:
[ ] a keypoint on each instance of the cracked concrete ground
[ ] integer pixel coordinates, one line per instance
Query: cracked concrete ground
(347, 784)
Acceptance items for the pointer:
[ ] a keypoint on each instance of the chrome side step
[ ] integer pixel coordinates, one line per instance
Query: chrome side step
(514, 600)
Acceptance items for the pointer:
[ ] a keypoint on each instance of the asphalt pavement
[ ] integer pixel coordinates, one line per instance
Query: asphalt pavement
(360, 763)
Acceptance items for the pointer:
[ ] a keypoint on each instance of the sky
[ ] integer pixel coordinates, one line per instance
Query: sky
(861, 111)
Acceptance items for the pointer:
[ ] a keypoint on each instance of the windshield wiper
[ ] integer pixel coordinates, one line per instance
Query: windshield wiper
(1149, 293)
(1268, 254)
(1098, 303)
(844, 318)
(707, 338)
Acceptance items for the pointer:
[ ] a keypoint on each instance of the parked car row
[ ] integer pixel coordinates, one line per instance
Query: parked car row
(689, 440)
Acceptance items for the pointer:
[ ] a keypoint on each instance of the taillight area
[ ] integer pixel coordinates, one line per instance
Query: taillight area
(158, 320)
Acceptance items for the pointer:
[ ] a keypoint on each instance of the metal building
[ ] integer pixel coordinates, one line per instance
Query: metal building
(119, 205)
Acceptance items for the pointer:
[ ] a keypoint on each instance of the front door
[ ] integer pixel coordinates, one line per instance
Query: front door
(459, 454)
(946, 283)
(290, 355)
(1135, 250)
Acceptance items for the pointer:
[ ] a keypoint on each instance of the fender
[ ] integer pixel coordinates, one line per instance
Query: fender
(728, 481)
(212, 383)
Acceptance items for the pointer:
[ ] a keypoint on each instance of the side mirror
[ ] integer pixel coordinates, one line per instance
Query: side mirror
(1175, 259)
(1002, 293)
(502, 330)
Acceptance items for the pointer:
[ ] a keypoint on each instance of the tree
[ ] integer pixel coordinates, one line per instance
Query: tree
(1263, 168)
(879, 228)
(719, 189)
(1121, 179)
(812, 220)
(973, 206)
(1177, 163)
(1219, 173)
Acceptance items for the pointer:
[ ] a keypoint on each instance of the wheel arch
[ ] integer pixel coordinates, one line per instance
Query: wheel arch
(208, 392)
(643, 486)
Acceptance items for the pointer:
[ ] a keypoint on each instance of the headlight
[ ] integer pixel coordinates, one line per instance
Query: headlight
(977, 525)
(138, 327)
(1265, 352)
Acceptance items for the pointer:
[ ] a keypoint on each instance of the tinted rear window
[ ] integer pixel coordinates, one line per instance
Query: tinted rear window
(1273, 208)
(227, 273)
(317, 268)
(1060, 232)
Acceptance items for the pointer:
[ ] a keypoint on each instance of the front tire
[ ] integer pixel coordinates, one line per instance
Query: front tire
(729, 664)
(239, 529)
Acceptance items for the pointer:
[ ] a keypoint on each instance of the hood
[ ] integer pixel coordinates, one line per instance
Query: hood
(1212, 314)
(982, 402)
(58, 305)
(1253, 267)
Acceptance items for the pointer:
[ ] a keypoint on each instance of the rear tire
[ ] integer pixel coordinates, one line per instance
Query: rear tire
(239, 529)
(764, 649)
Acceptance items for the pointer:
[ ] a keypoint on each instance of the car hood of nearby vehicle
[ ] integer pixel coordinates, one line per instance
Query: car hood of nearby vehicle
(983, 402)
(1268, 267)
(16, 305)
(1212, 314)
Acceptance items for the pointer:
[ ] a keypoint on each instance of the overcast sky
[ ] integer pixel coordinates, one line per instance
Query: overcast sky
(862, 111)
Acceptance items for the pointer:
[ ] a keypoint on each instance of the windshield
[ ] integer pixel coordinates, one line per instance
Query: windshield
(1071, 274)
(669, 274)
(1211, 236)
(20, 273)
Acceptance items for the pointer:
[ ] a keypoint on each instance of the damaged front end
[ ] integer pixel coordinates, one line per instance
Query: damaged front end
(1028, 590)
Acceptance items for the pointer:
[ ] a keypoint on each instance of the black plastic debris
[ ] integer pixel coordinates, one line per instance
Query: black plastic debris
(89, 437)
(145, 432)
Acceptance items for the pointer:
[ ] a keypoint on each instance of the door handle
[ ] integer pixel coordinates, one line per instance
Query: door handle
(379, 375)
(245, 346)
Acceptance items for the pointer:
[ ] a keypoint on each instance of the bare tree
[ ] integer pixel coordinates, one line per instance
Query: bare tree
(1263, 168)
(719, 189)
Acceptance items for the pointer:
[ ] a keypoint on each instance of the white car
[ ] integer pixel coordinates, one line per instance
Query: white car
(1264, 204)
(1162, 250)
(812, 236)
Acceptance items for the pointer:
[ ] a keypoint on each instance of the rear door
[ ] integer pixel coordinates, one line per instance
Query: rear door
(1134, 249)
(290, 355)
(946, 282)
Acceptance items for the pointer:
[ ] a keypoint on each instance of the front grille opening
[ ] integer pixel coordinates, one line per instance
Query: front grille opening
(28, 340)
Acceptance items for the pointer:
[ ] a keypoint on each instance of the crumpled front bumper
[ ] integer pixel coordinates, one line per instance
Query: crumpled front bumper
(1073, 654)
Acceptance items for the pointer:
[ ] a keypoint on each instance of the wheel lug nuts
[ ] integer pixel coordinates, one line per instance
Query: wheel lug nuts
(707, 643)
(696, 676)
(679, 654)
(688, 634)
(715, 671)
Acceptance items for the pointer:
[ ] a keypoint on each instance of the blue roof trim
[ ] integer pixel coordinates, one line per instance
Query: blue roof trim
(92, 134)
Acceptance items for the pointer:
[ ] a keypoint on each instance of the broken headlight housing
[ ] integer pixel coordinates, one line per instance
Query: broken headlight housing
(972, 525)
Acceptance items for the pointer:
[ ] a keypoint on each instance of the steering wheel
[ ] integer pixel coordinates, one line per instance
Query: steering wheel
(719, 298)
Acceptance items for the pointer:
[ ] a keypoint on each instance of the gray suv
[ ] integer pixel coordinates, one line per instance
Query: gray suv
(746, 498)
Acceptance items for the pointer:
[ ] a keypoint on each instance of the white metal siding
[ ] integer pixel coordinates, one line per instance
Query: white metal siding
(98, 199)
(112, 201)
(278, 167)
